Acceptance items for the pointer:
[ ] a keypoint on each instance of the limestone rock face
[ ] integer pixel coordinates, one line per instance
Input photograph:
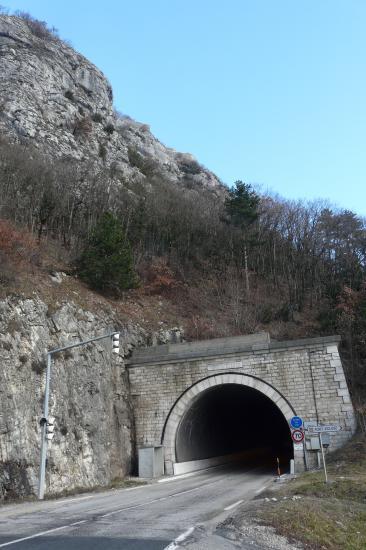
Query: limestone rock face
(55, 99)
(93, 440)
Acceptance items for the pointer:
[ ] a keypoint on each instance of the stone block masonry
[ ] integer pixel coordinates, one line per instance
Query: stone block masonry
(302, 377)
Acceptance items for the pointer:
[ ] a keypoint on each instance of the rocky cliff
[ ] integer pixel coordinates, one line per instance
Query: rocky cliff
(55, 99)
(90, 400)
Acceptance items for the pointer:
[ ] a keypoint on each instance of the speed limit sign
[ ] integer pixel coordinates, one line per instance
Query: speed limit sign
(297, 436)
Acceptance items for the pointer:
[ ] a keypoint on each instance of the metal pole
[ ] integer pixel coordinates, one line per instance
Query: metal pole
(42, 468)
(77, 344)
(322, 448)
(305, 456)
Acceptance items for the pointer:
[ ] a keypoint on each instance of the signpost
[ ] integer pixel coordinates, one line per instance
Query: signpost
(323, 457)
(320, 429)
(298, 433)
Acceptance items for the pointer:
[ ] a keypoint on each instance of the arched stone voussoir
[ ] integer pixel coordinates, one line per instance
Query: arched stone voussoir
(235, 378)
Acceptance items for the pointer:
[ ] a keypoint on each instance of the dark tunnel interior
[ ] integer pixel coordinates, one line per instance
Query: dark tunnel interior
(231, 419)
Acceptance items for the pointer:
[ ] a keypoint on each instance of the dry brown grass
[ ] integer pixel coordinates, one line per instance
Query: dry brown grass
(328, 516)
(320, 523)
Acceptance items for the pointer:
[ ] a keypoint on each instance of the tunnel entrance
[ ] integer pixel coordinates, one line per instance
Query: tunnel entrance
(236, 422)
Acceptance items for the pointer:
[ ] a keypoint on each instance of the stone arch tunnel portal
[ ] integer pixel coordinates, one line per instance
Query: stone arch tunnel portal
(199, 401)
(232, 422)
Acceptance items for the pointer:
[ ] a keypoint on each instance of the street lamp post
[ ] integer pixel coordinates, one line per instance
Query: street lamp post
(45, 419)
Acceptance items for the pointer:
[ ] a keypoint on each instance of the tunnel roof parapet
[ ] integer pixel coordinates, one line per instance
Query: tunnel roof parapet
(232, 345)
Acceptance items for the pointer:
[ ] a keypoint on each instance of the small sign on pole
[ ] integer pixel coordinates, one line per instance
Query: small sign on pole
(296, 422)
(319, 429)
(297, 436)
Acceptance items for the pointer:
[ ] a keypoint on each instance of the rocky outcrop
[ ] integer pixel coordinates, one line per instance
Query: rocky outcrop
(55, 99)
(90, 400)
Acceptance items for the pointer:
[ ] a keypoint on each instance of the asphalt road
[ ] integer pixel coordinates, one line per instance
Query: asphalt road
(168, 514)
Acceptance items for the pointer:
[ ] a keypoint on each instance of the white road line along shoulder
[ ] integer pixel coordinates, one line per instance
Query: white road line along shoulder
(139, 487)
(173, 545)
(261, 489)
(41, 534)
(66, 501)
(233, 505)
(176, 478)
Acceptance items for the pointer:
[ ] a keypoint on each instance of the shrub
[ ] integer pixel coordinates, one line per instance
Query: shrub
(147, 166)
(69, 95)
(159, 277)
(18, 251)
(7, 271)
(16, 246)
(63, 430)
(82, 127)
(102, 151)
(97, 117)
(188, 164)
(106, 262)
(135, 158)
(144, 128)
(40, 29)
(109, 129)
(38, 366)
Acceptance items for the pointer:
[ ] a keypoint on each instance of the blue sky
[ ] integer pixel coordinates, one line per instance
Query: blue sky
(272, 92)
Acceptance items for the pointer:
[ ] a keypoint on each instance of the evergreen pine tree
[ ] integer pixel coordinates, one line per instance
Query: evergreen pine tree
(242, 209)
(242, 205)
(106, 262)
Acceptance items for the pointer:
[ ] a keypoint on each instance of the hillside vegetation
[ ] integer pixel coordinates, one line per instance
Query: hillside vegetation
(222, 262)
(240, 264)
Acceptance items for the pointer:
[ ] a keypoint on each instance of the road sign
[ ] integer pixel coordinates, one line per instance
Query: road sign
(296, 422)
(319, 429)
(297, 436)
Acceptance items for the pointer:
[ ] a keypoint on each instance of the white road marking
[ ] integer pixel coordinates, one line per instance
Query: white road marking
(138, 487)
(174, 478)
(173, 545)
(198, 472)
(160, 499)
(42, 533)
(190, 474)
(97, 495)
(261, 489)
(233, 505)
(66, 501)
